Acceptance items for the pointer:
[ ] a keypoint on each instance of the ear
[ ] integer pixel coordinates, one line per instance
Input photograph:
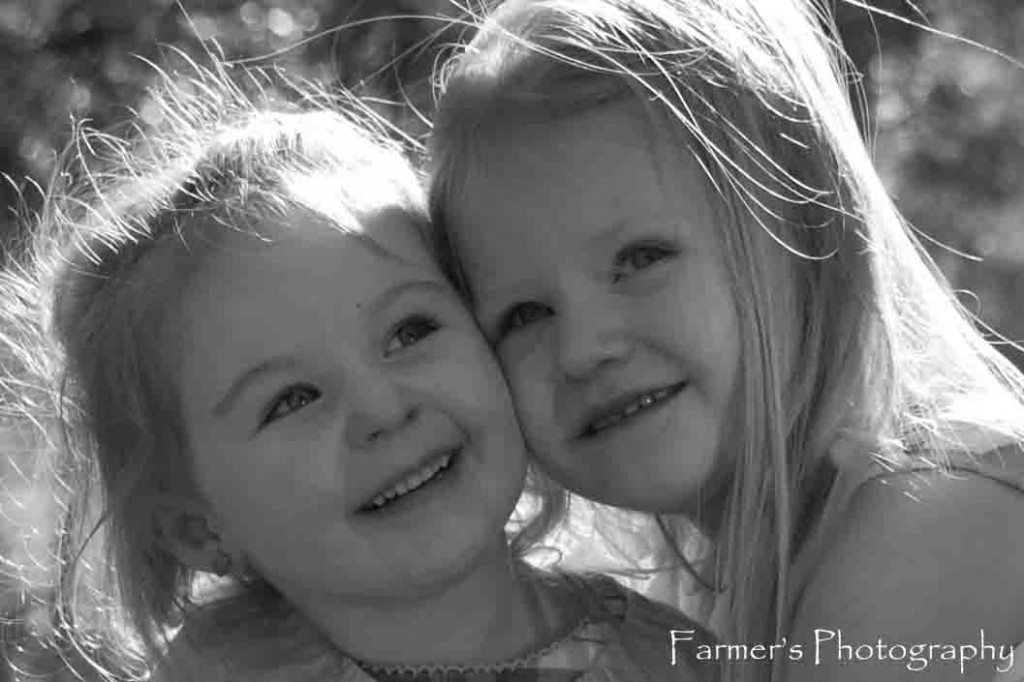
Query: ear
(186, 529)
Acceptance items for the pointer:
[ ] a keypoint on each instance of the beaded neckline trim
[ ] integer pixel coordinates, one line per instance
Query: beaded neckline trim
(502, 666)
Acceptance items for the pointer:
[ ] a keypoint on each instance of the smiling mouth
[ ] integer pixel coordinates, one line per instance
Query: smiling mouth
(429, 473)
(632, 406)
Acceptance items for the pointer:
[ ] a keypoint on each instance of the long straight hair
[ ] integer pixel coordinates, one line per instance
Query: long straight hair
(874, 349)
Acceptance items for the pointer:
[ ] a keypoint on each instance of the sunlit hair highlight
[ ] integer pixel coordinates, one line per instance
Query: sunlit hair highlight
(85, 306)
(849, 334)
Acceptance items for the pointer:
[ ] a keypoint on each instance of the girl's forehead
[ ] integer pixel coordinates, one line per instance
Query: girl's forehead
(581, 180)
(547, 137)
(309, 276)
(390, 231)
(615, 147)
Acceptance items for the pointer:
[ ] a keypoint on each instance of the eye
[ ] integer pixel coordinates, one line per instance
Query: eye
(411, 331)
(521, 315)
(291, 399)
(637, 257)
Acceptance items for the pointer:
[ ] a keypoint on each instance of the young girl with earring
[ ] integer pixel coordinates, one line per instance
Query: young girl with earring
(709, 310)
(259, 372)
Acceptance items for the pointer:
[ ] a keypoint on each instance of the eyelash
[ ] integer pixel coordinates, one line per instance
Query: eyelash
(622, 261)
(623, 258)
(431, 324)
(284, 397)
(509, 324)
(308, 394)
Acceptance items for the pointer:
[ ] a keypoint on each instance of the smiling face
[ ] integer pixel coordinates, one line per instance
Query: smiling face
(591, 251)
(348, 426)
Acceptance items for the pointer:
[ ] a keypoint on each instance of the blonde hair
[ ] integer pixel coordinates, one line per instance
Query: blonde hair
(124, 225)
(756, 92)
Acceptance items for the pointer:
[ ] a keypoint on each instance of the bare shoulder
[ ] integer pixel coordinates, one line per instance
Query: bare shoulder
(920, 558)
(950, 529)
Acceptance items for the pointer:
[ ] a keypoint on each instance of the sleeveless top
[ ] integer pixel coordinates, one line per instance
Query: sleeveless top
(993, 457)
(982, 454)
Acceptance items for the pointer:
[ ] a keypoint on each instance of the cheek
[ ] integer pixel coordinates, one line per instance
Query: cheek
(523, 370)
(213, 475)
(533, 398)
(708, 318)
(239, 478)
(470, 380)
(724, 339)
(232, 489)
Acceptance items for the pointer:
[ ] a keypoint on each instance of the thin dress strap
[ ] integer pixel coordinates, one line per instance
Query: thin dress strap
(990, 455)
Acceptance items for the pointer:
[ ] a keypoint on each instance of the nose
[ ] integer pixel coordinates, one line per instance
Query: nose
(591, 333)
(379, 409)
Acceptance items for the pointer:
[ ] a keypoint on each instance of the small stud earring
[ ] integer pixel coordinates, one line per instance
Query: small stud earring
(221, 563)
(203, 534)
(198, 532)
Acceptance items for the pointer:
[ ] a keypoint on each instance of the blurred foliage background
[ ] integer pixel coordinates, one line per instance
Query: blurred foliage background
(946, 117)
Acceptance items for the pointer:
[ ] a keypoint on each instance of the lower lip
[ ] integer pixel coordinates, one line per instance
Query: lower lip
(437, 486)
(636, 418)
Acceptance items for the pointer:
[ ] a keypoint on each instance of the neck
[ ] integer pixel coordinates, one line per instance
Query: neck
(494, 611)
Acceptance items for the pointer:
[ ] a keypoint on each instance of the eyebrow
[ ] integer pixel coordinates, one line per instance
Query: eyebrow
(396, 291)
(608, 233)
(283, 363)
(254, 374)
(614, 229)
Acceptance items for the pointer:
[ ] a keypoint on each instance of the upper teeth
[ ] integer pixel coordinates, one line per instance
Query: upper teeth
(411, 482)
(632, 407)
